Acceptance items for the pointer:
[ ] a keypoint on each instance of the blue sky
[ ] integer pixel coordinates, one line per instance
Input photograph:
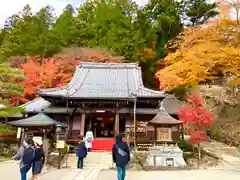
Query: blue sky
(9, 7)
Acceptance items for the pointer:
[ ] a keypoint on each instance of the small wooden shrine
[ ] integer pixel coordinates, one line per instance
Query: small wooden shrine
(39, 125)
(166, 128)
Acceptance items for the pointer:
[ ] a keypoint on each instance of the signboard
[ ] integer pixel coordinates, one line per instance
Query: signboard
(37, 139)
(19, 133)
(60, 144)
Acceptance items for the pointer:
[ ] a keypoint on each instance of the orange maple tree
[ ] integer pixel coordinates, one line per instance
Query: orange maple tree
(203, 55)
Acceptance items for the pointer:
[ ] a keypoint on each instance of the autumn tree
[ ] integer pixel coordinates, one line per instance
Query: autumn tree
(56, 71)
(44, 75)
(69, 58)
(203, 55)
(9, 89)
(197, 119)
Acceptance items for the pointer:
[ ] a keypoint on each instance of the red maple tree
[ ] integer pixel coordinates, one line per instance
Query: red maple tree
(56, 71)
(46, 75)
(196, 118)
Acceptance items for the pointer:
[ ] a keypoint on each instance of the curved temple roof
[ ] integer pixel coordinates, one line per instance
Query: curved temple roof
(39, 120)
(162, 117)
(104, 81)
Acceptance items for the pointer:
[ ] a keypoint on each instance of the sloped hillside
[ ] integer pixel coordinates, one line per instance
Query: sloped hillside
(224, 102)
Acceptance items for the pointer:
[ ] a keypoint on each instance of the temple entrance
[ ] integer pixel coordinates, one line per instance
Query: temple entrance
(101, 126)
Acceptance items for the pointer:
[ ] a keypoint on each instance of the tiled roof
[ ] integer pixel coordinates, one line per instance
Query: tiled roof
(36, 105)
(171, 104)
(104, 81)
(40, 104)
(39, 120)
(163, 117)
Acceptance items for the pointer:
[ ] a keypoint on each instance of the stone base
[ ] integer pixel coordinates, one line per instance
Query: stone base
(167, 157)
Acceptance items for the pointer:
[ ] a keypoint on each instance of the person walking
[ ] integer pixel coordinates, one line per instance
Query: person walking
(81, 153)
(26, 156)
(209, 135)
(121, 156)
(89, 139)
(38, 161)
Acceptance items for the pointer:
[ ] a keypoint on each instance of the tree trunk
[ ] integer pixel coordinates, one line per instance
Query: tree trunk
(199, 152)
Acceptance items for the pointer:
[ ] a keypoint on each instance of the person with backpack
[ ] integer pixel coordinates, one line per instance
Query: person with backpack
(26, 156)
(81, 153)
(121, 156)
(38, 160)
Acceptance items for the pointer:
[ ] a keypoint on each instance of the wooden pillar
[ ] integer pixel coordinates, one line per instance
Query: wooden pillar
(116, 126)
(90, 122)
(45, 143)
(69, 127)
(82, 123)
(135, 123)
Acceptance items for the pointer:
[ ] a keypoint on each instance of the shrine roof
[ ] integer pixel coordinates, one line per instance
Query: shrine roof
(162, 117)
(171, 104)
(104, 81)
(39, 120)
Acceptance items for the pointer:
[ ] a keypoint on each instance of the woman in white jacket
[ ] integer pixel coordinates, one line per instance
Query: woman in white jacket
(88, 139)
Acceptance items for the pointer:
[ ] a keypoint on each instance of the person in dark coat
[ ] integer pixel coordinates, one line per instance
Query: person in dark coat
(121, 156)
(81, 153)
(209, 135)
(39, 160)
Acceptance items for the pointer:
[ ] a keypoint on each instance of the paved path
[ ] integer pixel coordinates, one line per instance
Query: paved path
(96, 162)
(229, 156)
(101, 160)
(9, 170)
(173, 175)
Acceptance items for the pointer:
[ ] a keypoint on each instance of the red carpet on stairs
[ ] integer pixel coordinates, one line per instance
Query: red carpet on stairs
(102, 144)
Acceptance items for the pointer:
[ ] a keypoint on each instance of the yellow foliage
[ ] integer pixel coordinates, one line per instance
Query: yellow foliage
(202, 54)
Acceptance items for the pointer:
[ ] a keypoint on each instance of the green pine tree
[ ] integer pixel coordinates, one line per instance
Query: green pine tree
(9, 88)
(196, 12)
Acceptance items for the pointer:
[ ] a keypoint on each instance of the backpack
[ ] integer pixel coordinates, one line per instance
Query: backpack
(28, 156)
(120, 151)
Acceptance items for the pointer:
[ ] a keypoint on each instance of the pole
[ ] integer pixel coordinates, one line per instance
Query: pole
(134, 122)
(59, 153)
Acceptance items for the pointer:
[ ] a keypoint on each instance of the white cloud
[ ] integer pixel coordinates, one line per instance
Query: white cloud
(10, 7)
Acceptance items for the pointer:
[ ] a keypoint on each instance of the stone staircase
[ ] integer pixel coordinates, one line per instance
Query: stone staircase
(101, 160)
